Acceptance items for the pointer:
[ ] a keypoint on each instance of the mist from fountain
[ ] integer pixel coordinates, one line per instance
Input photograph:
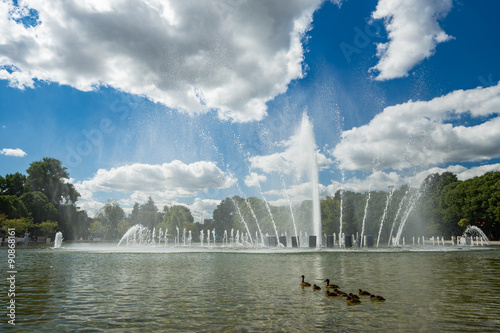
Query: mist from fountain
(411, 205)
(397, 216)
(387, 202)
(242, 219)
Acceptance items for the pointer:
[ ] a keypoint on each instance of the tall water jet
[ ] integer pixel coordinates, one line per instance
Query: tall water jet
(58, 240)
(361, 243)
(308, 149)
(341, 239)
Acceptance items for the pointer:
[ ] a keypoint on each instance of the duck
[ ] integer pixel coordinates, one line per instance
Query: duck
(303, 283)
(352, 300)
(330, 286)
(341, 293)
(377, 298)
(352, 296)
(331, 293)
(363, 293)
(316, 287)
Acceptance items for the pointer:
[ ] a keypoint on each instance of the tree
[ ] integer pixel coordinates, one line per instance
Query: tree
(47, 228)
(179, 217)
(20, 225)
(134, 215)
(148, 214)
(225, 213)
(13, 184)
(39, 206)
(12, 207)
(50, 177)
(97, 229)
(430, 206)
(110, 215)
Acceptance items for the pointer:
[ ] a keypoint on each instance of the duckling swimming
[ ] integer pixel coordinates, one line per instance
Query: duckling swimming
(330, 286)
(363, 293)
(352, 296)
(303, 283)
(341, 293)
(352, 300)
(316, 287)
(331, 293)
(377, 298)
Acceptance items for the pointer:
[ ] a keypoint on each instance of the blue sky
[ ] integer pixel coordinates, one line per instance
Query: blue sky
(191, 102)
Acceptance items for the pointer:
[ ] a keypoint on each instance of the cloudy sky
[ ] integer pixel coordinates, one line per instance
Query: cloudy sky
(194, 101)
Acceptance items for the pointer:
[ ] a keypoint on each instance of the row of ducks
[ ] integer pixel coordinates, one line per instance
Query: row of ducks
(350, 297)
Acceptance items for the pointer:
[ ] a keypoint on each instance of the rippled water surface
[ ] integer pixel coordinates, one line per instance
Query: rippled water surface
(73, 289)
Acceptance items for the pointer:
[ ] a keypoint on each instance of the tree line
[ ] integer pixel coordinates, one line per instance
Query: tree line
(43, 202)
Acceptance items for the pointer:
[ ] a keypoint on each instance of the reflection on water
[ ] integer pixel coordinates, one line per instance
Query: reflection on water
(62, 290)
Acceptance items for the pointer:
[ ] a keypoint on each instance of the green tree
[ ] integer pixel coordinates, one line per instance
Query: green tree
(110, 215)
(179, 217)
(224, 215)
(12, 207)
(51, 178)
(148, 214)
(13, 184)
(47, 228)
(39, 206)
(97, 229)
(20, 225)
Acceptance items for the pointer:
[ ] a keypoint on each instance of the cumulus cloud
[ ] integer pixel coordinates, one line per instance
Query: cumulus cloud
(176, 178)
(163, 182)
(230, 56)
(413, 31)
(13, 152)
(254, 179)
(422, 133)
(295, 194)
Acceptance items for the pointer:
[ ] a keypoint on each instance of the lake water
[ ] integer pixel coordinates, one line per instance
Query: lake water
(92, 289)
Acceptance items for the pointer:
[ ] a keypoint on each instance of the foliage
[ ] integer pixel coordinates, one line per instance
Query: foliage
(12, 207)
(97, 229)
(39, 206)
(110, 215)
(13, 184)
(50, 177)
(20, 225)
(47, 228)
(178, 217)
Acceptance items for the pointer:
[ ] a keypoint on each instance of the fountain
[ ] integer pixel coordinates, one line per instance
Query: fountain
(58, 240)
(473, 231)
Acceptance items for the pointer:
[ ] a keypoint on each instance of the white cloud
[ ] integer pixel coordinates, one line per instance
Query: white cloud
(13, 152)
(414, 33)
(176, 178)
(295, 194)
(232, 56)
(254, 179)
(421, 133)
(163, 182)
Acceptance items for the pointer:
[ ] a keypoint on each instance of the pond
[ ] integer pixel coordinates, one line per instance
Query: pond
(92, 289)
